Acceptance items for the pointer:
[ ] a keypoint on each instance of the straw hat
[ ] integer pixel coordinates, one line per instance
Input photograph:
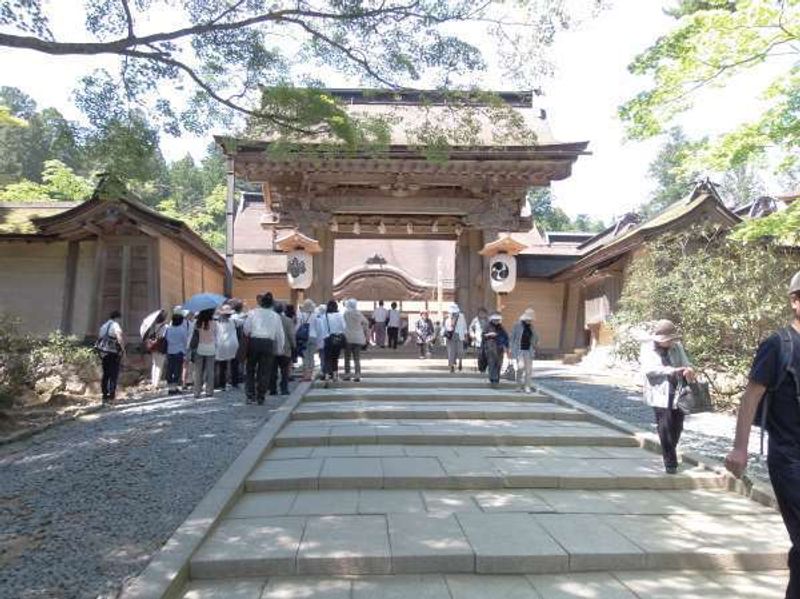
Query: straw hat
(454, 309)
(665, 331)
(351, 304)
(528, 315)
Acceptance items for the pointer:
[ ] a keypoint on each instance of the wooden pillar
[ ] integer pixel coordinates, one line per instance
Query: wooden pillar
(473, 289)
(70, 272)
(321, 289)
(229, 202)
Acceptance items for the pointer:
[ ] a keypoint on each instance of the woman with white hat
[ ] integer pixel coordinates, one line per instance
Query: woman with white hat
(455, 333)
(227, 348)
(524, 341)
(495, 344)
(306, 337)
(665, 365)
(356, 332)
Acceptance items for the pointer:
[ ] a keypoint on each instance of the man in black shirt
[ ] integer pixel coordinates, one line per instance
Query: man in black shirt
(783, 426)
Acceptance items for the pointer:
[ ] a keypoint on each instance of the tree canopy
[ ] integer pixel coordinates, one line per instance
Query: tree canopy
(552, 218)
(713, 42)
(223, 58)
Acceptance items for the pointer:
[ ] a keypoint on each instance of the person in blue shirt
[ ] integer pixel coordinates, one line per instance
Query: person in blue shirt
(782, 424)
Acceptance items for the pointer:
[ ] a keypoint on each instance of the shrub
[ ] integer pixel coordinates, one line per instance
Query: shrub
(725, 295)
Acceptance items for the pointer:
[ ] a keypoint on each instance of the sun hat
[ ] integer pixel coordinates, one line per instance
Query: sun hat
(496, 317)
(527, 315)
(351, 304)
(308, 305)
(794, 285)
(454, 309)
(665, 331)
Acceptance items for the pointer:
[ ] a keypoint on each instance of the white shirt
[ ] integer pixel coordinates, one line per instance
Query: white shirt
(227, 342)
(112, 329)
(394, 319)
(263, 323)
(330, 324)
(380, 314)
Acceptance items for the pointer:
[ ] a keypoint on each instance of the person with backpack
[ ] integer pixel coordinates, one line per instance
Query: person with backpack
(331, 329)
(524, 340)
(455, 333)
(665, 367)
(111, 348)
(305, 337)
(772, 400)
(356, 330)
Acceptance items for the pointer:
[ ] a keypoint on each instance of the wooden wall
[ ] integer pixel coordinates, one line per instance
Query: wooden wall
(32, 283)
(183, 274)
(247, 289)
(82, 319)
(547, 299)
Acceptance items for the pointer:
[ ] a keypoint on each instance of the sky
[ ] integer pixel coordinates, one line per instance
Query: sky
(590, 82)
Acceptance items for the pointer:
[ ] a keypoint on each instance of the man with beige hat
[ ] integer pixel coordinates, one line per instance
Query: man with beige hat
(665, 365)
(775, 379)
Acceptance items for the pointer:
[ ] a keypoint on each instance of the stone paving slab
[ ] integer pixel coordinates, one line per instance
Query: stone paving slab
(411, 394)
(608, 585)
(345, 545)
(505, 410)
(422, 544)
(422, 382)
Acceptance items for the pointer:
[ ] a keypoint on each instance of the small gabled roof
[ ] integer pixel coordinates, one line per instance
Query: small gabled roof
(704, 201)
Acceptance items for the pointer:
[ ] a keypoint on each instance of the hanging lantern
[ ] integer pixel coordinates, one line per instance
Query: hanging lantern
(299, 259)
(502, 263)
(503, 273)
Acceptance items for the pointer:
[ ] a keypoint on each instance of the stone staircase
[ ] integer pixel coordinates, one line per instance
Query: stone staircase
(418, 483)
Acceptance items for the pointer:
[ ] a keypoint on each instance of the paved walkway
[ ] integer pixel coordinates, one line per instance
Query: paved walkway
(417, 483)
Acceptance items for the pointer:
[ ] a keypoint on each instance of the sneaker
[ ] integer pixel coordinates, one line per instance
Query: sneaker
(357, 380)
(452, 369)
(528, 390)
(326, 384)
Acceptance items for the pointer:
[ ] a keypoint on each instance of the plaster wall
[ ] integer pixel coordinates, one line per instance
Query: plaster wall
(547, 299)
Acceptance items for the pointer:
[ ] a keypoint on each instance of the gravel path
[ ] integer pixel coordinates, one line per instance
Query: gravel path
(708, 434)
(84, 505)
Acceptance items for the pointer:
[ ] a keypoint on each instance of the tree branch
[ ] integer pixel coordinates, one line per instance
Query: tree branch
(128, 18)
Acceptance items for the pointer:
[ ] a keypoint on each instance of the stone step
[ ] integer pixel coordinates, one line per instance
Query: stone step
(510, 410)
(488, 543)
(473, 473)
(431, 383)
(652, 584)
(411, 431)
(437, 502)
(367, 392)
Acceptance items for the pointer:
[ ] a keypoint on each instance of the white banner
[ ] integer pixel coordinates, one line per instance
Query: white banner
(503, 273)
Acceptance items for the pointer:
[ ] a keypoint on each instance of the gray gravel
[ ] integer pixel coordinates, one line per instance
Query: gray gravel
(83, 506)
(710, 434)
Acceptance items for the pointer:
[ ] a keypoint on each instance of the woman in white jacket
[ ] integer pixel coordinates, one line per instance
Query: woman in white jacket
(455, 334)
(227, 348)
(664, 366)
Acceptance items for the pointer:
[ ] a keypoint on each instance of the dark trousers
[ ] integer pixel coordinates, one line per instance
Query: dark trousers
(108, 384)
(670, 426)
(260, 357)
(223, 366)
(281, 368)
(494, 363)
(331, 352)
(785, 477)
(393, 332)
(174, 369)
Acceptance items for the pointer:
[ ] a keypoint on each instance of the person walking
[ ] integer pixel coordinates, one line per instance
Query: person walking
(356, 329)
(227, 349)
(320, 333)
(524, 341)
(177, 339)
(305, 337)
(380, 316)
(282, 365)
(772, 398)
(111, 347)
(204, 346)
(332, 329)
(665, 366)
(394, 323)
(187, 376)
(476, 329)
(264, 331)
(425, 334)
(455, 334)
(495, 342)
(157, 347)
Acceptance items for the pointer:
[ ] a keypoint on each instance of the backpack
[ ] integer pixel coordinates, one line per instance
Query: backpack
(302, 336)
(785, 369)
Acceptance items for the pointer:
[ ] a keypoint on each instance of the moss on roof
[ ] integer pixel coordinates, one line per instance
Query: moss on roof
(16, 218)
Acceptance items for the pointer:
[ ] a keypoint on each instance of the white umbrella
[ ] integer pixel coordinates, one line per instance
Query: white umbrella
(147, 323)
